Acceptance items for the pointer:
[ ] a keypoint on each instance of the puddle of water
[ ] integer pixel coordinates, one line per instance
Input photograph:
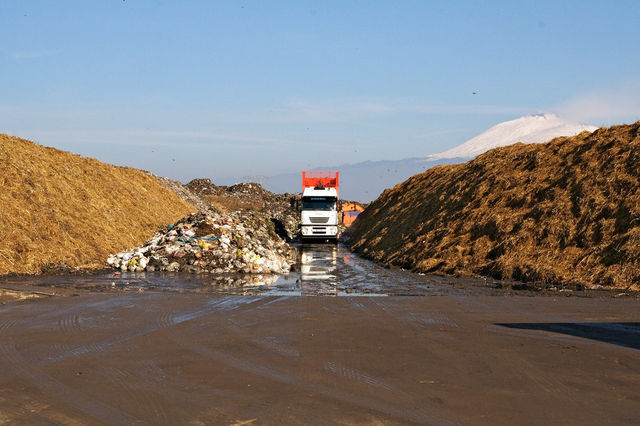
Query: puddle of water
(323, 270)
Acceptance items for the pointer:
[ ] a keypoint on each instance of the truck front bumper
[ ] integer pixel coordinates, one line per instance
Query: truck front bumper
(317, 231)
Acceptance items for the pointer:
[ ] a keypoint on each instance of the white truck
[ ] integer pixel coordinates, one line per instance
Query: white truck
(319, 206)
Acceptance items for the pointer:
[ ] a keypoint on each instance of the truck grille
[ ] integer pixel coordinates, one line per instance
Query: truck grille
(318, 219)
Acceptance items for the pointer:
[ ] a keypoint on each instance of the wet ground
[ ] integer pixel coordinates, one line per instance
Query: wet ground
(323, 269)
(167, 349)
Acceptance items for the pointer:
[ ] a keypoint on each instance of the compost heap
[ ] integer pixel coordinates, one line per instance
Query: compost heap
(566, 212)
(210, 242)
(250, 197)
(61, 210)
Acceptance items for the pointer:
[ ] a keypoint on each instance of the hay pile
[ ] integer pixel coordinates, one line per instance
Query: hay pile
(58, 209)
(564, 212)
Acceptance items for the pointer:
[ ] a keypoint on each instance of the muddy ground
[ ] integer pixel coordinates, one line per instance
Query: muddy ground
(173, 348)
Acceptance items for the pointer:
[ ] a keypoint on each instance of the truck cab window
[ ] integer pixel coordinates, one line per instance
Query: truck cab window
(318, 204)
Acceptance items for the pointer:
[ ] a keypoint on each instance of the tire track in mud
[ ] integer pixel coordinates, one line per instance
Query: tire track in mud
(275, 299)
(275, 374)
(56, 390)
(430, 320)
(339, 369)
(237, 327)
(150, 374)
(69, 324)
(141, 397)
(10, 325)
(8, 372)
(167, 319)
(413, 318)
(277, 345)
(541, 378)
(6, 325)
(19, 366)
(350, 373)
(416, 415)
(537, 377)
(154, 392)
(224, 304)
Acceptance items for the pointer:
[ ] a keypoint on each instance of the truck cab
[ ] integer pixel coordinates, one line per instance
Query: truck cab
(319, 207)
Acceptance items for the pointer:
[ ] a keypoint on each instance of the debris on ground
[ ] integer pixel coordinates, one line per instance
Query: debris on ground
(566, 213)
(237, 242)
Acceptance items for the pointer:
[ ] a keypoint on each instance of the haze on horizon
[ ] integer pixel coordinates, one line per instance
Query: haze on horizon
(248, 88)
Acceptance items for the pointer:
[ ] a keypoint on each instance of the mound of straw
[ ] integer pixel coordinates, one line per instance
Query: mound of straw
(58, 208)
(566, 212)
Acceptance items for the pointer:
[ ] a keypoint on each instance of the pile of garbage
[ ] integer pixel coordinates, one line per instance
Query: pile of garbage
(250, 196)
(241, 190)
(183, 192)
(238, 242)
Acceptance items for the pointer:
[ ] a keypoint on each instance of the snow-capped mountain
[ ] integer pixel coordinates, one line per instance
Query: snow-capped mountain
(529, 129)
(365, 181)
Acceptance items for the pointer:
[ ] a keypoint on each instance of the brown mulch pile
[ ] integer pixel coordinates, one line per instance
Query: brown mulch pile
(61, 210)
(564, 212)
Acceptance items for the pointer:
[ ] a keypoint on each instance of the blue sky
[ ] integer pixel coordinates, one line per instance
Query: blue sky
(213, 89)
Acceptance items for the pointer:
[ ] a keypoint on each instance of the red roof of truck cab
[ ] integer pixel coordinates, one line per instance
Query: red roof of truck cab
(312, 179)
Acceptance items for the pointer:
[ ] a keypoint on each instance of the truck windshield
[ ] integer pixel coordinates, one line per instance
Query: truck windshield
(319, 203)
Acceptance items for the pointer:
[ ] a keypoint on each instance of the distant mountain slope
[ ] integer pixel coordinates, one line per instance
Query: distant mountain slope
(365, 181)
(528, 129)
(566, 212)
(361, 181)
(57, 208)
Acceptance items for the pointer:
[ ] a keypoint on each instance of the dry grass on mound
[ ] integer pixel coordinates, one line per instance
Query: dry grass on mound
(564, 212)
(60, 208)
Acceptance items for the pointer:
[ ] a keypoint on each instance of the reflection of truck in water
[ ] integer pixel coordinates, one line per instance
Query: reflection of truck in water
(318, 270)
(319, 206)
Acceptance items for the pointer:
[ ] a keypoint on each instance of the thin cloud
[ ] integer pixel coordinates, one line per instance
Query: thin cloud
(34, 54)
(442, 132)
(157, 138)
(336, 110)
(349, 110)
(610, 106)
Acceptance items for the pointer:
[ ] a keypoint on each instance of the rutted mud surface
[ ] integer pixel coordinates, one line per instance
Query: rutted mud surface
(184, 348)
(170, 358)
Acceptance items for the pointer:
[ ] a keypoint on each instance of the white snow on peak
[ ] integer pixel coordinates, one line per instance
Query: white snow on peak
(530, 128)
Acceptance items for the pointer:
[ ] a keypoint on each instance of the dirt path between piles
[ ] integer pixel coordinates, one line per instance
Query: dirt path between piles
(176, 358)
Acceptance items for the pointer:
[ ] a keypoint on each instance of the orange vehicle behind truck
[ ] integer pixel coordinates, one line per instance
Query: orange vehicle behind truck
(350, 211)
